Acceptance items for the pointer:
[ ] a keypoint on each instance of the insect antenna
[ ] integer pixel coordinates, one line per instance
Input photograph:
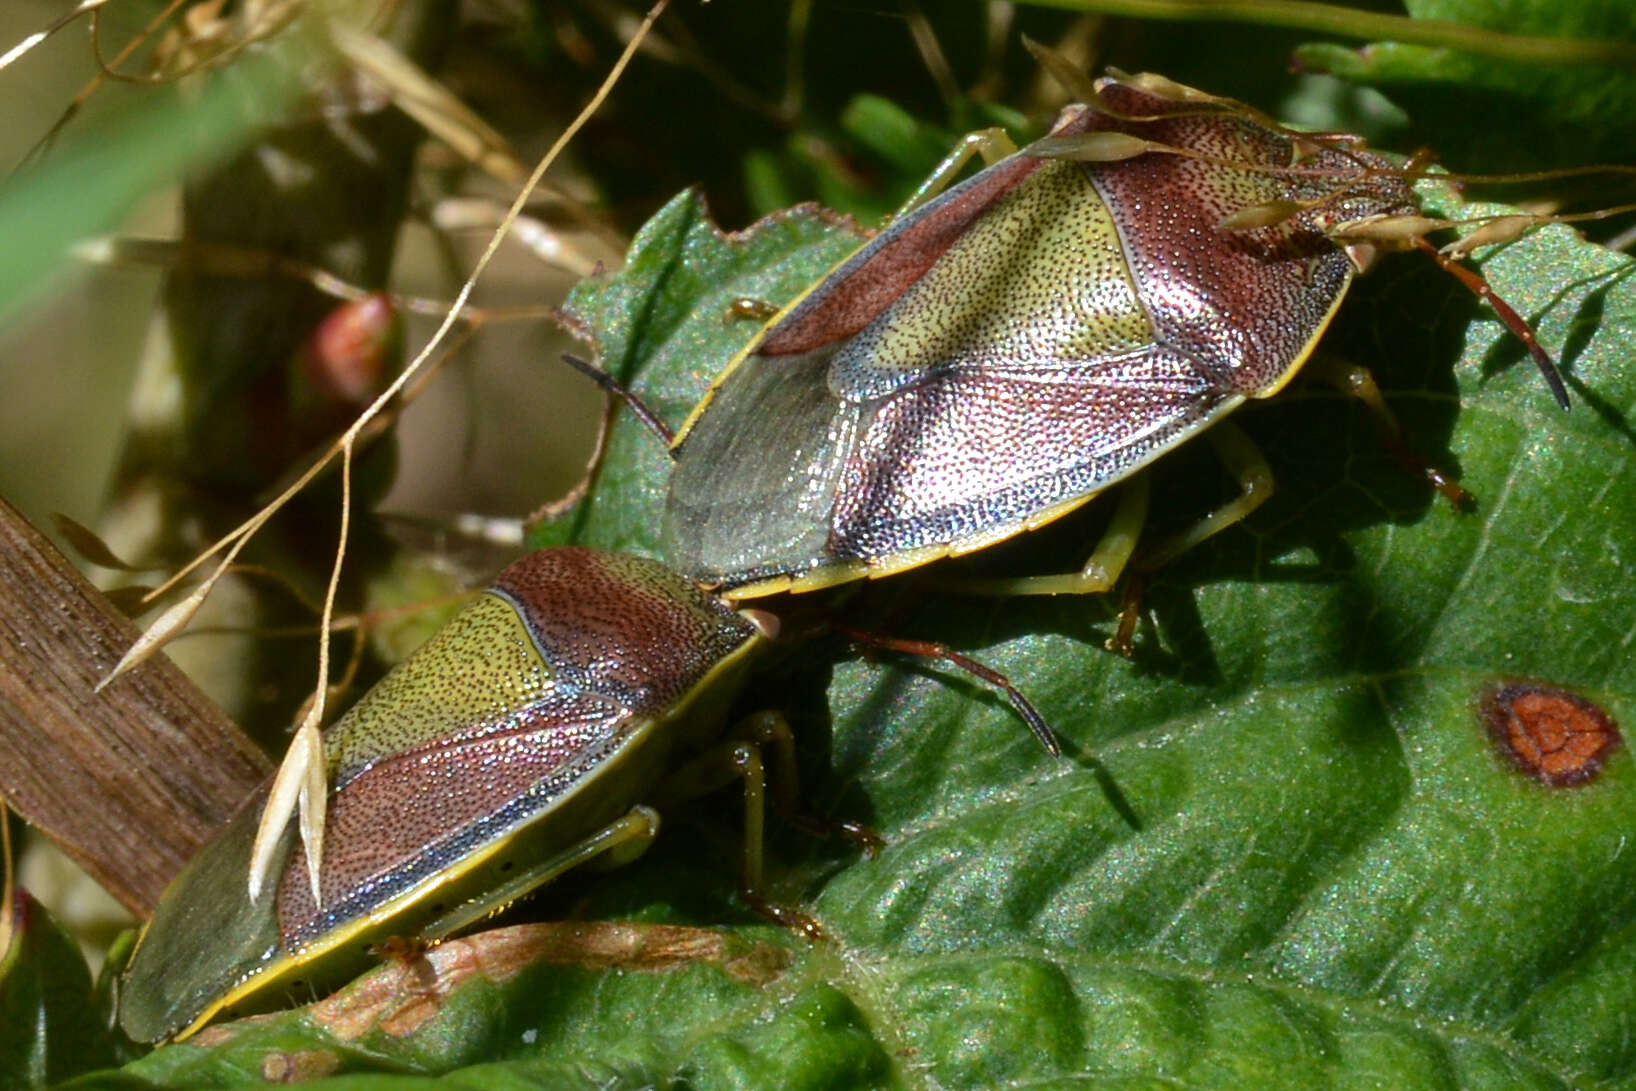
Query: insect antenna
(613, 386)
(926, 649)
(1507, 314)
(1412, 230)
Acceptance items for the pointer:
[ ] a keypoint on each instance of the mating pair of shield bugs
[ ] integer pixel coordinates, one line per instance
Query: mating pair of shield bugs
(1001, 353)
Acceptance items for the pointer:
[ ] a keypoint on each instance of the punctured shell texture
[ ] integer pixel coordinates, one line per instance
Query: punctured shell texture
(1031, 336)
(535, 706)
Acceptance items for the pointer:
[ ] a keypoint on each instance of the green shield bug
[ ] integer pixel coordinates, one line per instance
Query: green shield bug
(1041, 331)
(518, 742)
(524, 738)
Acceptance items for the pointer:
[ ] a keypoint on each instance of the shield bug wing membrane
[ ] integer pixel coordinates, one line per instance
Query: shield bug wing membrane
(753, 500)
(205, 937)
(1001, 354)
(536, 717)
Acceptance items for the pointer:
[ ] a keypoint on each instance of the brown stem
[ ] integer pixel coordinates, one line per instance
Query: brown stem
(129, 781)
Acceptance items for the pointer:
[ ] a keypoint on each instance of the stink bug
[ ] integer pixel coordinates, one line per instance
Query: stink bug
(518, 742)
(522, 739)
(1045, 329)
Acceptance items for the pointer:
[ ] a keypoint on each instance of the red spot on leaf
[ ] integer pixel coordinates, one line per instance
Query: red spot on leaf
(1556, 737)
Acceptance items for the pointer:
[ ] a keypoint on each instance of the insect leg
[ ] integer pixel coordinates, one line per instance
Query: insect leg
(1113, 552)
(992, 144)
(613, 386)
(1357, 382)
(1247, 465)
(926, 649)
(745, 758)
(1245, 462)
(741, 757)
(1508, 317)
(618, 843)
(1102, 568)
(771, 732)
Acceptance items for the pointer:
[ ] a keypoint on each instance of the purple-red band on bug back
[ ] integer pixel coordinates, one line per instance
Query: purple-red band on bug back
(1245, 303)
(620, 626)
(515, 704)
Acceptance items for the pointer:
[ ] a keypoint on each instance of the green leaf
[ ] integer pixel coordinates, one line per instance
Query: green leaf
(1287, 849)
(1550, 112)
(1284, 849)
(49, 1028)
(561, 1005)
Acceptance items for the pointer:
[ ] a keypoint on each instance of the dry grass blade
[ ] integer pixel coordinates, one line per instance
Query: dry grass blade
(1067, 74)
(32, 40)
(314, 804)
(545, 243)
(164, 629)
(431, 104)
(312, 796)
(88, 544)
(282, 799)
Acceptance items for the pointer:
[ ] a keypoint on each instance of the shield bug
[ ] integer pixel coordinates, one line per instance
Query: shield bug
(521, 740)
(1041, 331)
(524, 738)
